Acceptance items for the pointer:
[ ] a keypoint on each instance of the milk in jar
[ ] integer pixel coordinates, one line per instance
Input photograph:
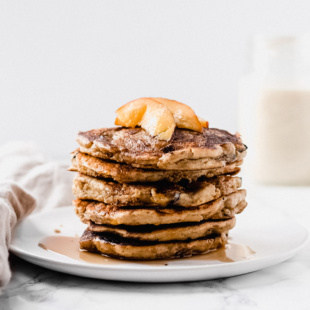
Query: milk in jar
(274, 111)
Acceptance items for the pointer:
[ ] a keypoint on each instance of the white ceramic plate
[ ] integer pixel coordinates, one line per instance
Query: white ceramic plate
(271, 235)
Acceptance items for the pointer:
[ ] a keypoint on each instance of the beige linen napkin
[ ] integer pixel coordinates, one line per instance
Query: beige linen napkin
(27, 176)
(15, 204)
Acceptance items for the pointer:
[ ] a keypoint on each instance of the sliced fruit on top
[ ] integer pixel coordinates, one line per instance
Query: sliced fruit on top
(131, 114)
(184, 116)
(159, 116)
(148, 113)
(203, 122)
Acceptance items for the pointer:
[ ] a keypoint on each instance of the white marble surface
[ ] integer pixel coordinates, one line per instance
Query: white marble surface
(285, 286)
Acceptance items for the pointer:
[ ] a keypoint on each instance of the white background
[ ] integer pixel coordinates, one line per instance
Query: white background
(67, 66)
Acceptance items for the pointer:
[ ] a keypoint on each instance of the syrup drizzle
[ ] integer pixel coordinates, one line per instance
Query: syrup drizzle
(69, 247)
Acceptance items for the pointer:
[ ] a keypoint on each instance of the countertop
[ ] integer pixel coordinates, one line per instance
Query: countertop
(284, 286)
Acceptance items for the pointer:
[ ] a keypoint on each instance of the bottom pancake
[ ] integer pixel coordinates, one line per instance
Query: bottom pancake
(179, 231)
(127, 248)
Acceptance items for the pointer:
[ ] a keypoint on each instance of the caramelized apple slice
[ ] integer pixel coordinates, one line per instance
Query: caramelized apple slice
(159, 116)
(203, 122)
(131, 114)
(151, 115)
(184, 116)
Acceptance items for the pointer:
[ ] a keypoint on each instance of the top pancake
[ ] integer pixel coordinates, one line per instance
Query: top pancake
(187, 150)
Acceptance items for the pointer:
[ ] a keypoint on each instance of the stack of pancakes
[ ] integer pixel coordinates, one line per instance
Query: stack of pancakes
(144, 198)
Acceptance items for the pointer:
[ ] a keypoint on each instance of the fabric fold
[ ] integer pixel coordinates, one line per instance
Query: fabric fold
(28, 182)
(15, 204)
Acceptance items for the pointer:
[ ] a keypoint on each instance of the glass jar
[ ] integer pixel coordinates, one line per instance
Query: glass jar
(274, 111)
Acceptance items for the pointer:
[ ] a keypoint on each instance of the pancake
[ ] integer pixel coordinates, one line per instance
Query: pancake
(187, 150)
(154, 194)
(123, 173)
(100, 213)
(126, 248)
(180, 231)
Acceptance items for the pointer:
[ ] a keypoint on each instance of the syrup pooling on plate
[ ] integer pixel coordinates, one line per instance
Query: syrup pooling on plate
(69, 247)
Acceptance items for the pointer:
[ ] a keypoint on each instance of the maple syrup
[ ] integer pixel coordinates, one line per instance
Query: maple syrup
(69, 247)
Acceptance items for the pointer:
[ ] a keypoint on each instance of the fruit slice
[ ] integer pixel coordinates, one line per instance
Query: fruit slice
(151, 115)
(159, 116)
(131, 114)
(203, 122)
(184, 116)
